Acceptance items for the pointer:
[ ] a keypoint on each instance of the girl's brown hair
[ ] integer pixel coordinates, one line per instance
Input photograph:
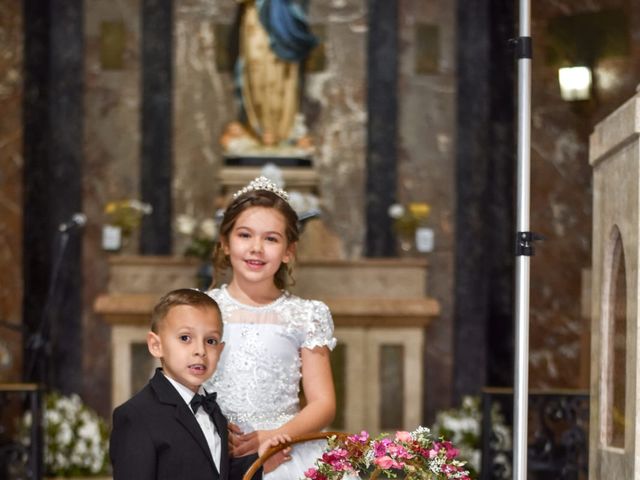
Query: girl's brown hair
(255, 198)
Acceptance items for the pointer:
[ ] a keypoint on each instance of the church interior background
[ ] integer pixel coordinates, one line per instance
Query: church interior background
(404, 102)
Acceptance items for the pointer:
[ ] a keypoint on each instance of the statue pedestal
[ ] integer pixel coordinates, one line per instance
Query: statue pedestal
(380, 312)
(233, 178)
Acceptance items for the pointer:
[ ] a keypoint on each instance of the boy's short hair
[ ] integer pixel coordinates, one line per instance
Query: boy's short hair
(183, 296)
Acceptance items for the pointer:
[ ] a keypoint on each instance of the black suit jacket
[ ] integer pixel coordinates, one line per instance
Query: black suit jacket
(156, 436)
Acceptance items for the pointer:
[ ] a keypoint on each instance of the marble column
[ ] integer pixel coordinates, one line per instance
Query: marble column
(53, 154)
(382, 105)
(157, 126)
(483, 329)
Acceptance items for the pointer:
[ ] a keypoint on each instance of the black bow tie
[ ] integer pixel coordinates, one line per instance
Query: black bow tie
(207, 401)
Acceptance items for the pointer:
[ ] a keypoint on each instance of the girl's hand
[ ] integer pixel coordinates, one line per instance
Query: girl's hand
(280, 457)
(234, 431)
(245, 444)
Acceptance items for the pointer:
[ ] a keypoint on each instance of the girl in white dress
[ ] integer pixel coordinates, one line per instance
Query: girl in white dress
(275, 341)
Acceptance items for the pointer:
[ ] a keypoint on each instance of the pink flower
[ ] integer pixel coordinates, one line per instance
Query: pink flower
(451, 451)
(403, 436)
(314, 474)
(398, 451)
(363, 437)
(385, 462)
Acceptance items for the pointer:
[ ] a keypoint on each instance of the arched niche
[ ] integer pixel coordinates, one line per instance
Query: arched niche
(614, 343)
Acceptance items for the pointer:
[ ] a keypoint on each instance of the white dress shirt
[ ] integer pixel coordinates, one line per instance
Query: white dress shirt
(205, 422)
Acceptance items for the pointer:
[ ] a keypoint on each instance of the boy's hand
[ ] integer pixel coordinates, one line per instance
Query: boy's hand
(234, 433)
(280, 457)
(247, 443)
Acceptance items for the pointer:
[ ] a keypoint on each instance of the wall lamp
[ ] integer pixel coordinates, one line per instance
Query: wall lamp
(575, 83)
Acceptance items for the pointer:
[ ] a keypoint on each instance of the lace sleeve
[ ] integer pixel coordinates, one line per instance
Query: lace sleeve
(319, 328)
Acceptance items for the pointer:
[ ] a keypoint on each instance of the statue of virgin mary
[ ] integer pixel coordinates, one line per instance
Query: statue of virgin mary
(274, 39)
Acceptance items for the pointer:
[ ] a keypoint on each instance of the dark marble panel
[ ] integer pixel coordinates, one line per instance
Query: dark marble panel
(382, 106)
(472, 164)
(112, 45)
(427, 39)
(157, 125)
(317, 60)
(391, 379)
(53, 120)
(225, 46)
(485, 191)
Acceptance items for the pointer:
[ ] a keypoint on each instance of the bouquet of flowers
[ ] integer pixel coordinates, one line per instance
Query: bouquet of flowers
(407, 218)
(127, 214)
(415, 454)
(75, 437)
(203, 235)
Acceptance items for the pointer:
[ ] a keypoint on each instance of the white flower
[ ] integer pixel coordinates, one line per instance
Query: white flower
(273, 173)
(303, 202)
(28, 419)
(209, 229)
(143, 207)
(65, 435)
(52, 417)
(468, 403)
(185, 224)
(396, 211)
(89, 430)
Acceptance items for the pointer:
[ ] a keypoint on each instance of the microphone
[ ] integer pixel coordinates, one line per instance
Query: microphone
(78, 220)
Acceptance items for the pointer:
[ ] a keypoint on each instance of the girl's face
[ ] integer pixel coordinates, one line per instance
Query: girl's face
(257, 245)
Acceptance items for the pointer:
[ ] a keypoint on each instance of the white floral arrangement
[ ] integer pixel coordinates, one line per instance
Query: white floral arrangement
(75, 437)
(463, 426)
(305, 204)
(202, 235)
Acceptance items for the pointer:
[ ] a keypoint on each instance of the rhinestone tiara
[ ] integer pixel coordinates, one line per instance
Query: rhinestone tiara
(262, 183)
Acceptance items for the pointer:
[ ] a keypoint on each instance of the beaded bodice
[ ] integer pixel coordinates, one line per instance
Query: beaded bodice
(258, 376)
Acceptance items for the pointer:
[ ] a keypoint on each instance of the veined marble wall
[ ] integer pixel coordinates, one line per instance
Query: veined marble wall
(561, 193)
(11, 161)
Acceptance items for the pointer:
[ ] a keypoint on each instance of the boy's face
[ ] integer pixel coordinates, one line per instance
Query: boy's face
(189, 344)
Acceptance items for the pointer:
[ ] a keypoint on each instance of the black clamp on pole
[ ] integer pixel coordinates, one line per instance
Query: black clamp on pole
(523, 47)
(524, 243)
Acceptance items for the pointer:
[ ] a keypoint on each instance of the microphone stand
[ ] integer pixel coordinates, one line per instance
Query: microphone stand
(39, 343)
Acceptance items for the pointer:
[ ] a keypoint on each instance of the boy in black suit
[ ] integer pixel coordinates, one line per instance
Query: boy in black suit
(172, 429)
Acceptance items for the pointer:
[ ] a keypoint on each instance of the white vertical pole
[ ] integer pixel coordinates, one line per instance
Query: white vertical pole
(525, 249)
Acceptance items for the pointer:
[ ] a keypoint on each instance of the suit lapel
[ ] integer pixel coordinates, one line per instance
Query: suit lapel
(183, 413)
(221, 426)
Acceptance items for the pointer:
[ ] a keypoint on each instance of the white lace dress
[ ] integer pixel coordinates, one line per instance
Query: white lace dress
(258, 376)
